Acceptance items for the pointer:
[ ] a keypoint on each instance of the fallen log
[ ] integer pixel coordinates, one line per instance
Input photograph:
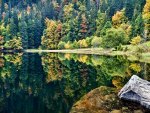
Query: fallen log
(136, 90)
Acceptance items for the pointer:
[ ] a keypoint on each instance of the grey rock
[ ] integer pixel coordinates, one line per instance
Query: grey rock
(137, 90)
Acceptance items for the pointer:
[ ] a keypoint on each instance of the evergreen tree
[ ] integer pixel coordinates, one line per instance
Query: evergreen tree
(23, 32)
(129, 9)
(138, 26)
(12, 27)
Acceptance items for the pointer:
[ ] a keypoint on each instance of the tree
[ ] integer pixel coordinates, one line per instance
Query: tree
(14, 44)
(129, 9)
(106, 26)
(136, 40)
(12, 28)
(115, 37)
(138, 26)
(146, 17)
(83, 27)
(100, 22)
(23, 32)
(52, 33)
(61, 45)
(119, 18)
(1, 42)
(96, 41)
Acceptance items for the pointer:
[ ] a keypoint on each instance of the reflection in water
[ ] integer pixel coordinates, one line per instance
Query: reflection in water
(52, 83)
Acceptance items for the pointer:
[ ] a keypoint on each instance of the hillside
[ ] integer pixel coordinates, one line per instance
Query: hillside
(73, 24)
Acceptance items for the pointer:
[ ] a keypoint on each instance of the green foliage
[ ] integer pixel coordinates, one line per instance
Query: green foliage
(61, 45)
(88, 40)
(115, 37)
(96, 41)
(138, 26)
(100, 22)
(72, 21)
(75, 45)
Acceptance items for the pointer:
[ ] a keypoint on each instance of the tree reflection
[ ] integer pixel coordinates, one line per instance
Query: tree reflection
(52, 82)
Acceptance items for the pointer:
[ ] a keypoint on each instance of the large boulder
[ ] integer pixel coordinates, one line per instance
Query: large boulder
(105, 100)
(136, 90)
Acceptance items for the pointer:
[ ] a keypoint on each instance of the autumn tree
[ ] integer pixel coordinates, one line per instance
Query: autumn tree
(52, 33)
(15, 44)
(146, 17)
(119, 18)
(1, 42)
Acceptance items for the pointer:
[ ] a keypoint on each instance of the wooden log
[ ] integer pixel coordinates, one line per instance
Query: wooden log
(137, 90)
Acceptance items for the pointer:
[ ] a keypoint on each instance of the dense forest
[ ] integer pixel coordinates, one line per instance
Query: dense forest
(68, 24)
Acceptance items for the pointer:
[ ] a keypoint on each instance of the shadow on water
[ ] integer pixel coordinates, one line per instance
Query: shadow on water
(53, 83)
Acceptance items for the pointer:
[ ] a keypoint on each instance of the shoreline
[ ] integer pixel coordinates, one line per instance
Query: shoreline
(96, 51)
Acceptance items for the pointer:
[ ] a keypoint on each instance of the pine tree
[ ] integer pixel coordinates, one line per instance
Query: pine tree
(129, 9)
(12, 28)
(23, 32)
(100, 22)
(138, 26)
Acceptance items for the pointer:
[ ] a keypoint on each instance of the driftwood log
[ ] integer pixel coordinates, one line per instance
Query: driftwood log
(137, 90)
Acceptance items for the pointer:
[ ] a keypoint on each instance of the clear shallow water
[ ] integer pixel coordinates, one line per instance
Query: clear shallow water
(52, 83)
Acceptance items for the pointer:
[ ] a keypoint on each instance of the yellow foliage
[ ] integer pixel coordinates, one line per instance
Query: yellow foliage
(83, 43)
(2, 27)
(136, 40)
(147, 7)
(52, 76)
(67, 45)
(67, 56)
(68, 9)
(16, 59)
(83, 58)
(119, 18)
(51, 37)
(146, 17)
(136, 67)
(118, 82)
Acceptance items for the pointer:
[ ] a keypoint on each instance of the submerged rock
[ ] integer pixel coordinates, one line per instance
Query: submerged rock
(137, 90)
(104, 100)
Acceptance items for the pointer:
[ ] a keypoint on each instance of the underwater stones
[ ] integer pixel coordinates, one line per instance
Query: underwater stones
(136, 90)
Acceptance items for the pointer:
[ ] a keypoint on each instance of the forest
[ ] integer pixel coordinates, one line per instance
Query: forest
(73, 24)
(109, 42)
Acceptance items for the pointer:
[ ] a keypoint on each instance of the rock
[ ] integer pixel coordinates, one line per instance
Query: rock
(104, 100)
(99, 100)
(137, 90)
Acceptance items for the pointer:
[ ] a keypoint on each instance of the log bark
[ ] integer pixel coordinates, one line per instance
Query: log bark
(137, 90)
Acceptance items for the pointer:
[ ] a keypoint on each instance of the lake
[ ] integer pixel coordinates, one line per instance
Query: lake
(54, 82)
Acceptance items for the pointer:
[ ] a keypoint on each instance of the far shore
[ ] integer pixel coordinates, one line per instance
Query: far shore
(96, 51)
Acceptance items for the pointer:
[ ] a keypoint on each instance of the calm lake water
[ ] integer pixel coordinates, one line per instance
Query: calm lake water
(52, 83)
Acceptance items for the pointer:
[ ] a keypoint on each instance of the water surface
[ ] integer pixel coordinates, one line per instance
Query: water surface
(52, 83)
